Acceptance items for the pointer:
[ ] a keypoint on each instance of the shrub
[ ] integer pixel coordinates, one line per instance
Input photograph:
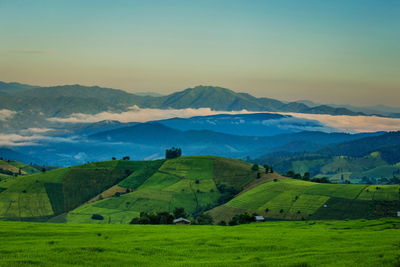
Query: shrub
(255, 167)
(97, 217)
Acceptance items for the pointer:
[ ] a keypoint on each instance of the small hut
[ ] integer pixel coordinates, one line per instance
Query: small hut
(181, 220)
(259, 218)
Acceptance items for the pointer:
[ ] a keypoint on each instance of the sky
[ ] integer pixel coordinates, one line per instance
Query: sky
(342, 51)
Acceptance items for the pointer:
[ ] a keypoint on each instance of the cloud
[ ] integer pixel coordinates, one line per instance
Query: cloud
(30, 140)
(17, 140)
(6, 114)
(36, 130)
(316, 122)
(136, 114)
(353, 124)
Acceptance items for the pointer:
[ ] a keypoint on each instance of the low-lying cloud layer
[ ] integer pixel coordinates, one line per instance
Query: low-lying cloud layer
(6, 114)
(8, 140)
(343, 123)
(136, 114)
(353, 124)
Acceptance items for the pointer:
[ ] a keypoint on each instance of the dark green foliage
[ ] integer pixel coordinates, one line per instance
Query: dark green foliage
(290, 174)
(222, 223)
(153, 218)
(179, 213)
(241, 219)
(97, 217)
(297, 176)
(173, 153)
(323, 180)
(255, 167)
(204, 219)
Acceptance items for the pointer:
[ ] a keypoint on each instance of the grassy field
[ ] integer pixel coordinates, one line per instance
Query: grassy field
(312, 243)
(296, 199)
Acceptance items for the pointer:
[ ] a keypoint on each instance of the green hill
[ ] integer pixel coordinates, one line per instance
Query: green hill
(44, 195)
(291, 199)
(11, 167)
(196, 183)
(120, 190)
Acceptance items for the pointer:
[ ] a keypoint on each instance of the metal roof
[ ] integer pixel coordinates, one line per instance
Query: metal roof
(181, 220)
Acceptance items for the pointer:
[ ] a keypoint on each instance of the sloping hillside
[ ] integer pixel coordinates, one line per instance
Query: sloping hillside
(43, 195)
(196, 183)
(11, 167)
(290, 199)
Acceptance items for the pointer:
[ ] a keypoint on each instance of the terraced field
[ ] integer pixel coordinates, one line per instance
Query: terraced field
(44, 195)
(188, 182)
(296, 199)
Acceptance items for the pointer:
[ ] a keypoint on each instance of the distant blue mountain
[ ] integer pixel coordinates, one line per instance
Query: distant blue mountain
(258, 124)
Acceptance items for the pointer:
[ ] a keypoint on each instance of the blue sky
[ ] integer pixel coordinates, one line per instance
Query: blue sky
(328, 51)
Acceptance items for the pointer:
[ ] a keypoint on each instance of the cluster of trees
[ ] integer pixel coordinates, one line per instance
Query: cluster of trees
(123, 158)
(256, 168)
(165, 217)
(242, 218)
(306, 177)
(172, 153)
(268, 169)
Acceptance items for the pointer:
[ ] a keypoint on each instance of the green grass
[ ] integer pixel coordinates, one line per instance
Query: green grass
(193, 167)
(320, 243)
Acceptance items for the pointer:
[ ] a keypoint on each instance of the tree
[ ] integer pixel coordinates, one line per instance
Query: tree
(297, 176)
(255, 167)
(97, 217)
(204, 219)
(179, 213)
(266, 167)
(173, 152)
(43, 170)
(126, 158)
(258, 175)
(290, 174)
(306, 176)
(222, 223)
(113, 158)
(271, 170)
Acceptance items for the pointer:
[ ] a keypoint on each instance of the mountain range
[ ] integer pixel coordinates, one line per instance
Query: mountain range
(34, 105)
